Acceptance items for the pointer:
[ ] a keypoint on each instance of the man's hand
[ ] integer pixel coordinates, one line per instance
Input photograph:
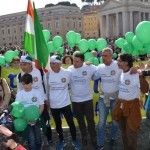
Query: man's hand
(133, 70)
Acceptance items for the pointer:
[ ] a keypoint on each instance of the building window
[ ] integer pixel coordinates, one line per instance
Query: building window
(14, 30)
(67, 24)
(57, 33)
(3, 32)
(80, 25)
(20, 29)
(49, 25)
(8, 31)
(74, 24)
(57, 24)
(3, 39)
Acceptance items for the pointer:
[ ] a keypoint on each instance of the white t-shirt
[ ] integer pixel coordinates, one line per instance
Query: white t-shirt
(37, 81)
(109, 77)
(33, 97)
(58, 88)
(129, 86)
(80, 82)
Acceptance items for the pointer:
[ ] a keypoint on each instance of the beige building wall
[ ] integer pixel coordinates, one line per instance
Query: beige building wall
(58, 20)
(91, 25)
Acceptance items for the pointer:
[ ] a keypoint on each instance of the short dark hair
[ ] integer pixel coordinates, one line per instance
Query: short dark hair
(79, 55)
(127, 58)
(26, 78)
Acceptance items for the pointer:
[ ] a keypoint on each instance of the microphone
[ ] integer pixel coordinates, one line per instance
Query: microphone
(6, 111)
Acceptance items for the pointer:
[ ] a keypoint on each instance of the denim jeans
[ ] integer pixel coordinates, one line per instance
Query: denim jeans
(34, 138)
(103, 113)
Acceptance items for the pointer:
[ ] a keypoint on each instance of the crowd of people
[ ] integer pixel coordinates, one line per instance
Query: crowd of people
(60, 88)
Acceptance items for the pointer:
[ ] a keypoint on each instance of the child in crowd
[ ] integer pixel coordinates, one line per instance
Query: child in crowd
(29, 96)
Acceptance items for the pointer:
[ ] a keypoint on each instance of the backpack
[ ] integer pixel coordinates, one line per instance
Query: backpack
(42, 75)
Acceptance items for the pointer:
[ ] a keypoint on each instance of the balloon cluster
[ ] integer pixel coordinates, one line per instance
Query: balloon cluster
(22, 115)
(8, 57)
(138, 43)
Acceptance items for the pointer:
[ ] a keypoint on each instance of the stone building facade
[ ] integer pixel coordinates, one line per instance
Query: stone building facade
(58, 20)
(120, 16)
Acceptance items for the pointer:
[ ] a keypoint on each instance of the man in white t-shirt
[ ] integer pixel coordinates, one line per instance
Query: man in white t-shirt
(127, 108)
(27, 66)
(109, 73)
(81, 96)
(57, 89)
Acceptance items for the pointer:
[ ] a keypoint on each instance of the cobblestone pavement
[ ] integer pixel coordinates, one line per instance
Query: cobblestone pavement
(143, 139)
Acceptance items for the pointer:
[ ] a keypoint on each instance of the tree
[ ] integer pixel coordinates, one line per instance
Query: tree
(88, 1)
(101, 1)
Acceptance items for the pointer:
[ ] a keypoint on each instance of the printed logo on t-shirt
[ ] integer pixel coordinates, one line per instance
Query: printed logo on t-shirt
(113, 72)
(84, 73)
(63, 80)
(34, 99)
(35, 79)
(127, 82)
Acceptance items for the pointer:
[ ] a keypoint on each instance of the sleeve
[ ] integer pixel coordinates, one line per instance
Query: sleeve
(19, 87)
(7, 93)
(96, 75)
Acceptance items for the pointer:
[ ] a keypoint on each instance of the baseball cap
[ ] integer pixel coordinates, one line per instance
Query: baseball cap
(26, 59)
(55, 58)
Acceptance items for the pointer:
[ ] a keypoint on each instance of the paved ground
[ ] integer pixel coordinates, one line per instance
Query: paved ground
(143, 140)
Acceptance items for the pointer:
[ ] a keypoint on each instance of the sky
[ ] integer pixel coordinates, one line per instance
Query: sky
(14, 6)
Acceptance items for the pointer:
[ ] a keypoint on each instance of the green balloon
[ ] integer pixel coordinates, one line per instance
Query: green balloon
(18, 109)
(9, 55)
(2, 61)
(101, 44)
(20, 124)
(101, 60)
(51, 47)
(147, 49)
(57, 41)
(60, 50)
(143, 32)
(92, 44)
(71, 37)
(74, 53)
(95, 61)
(88, 56)
(16, 52)
(46, 34)
(115, 55)
(135, 53)
(137, 44)
(32, 113)
(127, 47)
(78, 38)
(71, 44)
(129, 36)
(83, 45)
(119, 42)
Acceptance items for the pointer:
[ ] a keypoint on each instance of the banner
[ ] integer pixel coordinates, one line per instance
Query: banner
(10, 75)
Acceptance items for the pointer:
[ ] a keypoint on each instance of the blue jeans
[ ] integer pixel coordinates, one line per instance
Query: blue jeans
(103, 113)
(34, 138)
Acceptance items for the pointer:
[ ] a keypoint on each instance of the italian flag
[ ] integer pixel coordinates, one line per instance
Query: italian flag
(34, 42)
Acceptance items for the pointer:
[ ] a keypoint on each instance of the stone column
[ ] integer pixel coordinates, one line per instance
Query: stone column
(101, 26)
(124, 22)
(131, 21)
(117, 24)
(107, 25)
(139, 16)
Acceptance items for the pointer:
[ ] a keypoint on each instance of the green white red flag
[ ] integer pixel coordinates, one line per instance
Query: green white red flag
(34, 42)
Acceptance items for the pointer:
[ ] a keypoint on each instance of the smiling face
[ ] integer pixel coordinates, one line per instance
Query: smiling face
(55, 66)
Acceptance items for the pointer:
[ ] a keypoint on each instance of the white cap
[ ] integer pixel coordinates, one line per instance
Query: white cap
(55, 58)
(26, 59)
